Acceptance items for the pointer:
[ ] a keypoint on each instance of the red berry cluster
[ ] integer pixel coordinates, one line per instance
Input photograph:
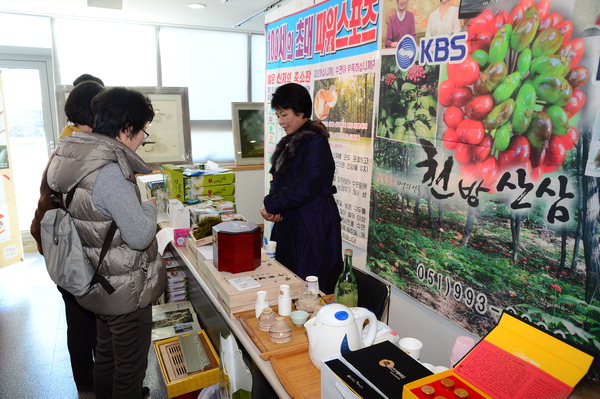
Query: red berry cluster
(416, 73)
(509, 103)
(390, 78)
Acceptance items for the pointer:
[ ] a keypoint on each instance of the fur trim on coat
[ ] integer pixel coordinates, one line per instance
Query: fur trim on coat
(287, 146)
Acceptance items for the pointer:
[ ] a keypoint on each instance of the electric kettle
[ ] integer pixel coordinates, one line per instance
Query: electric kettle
(337, 329)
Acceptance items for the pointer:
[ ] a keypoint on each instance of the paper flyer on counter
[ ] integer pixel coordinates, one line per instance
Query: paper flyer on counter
(171, 319)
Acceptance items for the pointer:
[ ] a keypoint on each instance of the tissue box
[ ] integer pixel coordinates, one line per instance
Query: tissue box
(515, 360)
(180, 237)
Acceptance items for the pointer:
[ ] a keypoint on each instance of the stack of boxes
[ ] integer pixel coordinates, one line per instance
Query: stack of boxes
(177, 285)
(189, 185)
(177, 282)
(219, 184)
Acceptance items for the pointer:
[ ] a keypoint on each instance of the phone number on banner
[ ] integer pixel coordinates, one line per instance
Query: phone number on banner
(478, 301)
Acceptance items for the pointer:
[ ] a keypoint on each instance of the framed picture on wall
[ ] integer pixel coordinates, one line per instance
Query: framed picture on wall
(170, 132)
(471, 8)
(248, 123)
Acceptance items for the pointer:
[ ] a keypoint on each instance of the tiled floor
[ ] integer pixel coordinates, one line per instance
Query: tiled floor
(34, 361)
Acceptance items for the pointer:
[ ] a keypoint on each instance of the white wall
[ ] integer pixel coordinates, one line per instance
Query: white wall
(249, 194)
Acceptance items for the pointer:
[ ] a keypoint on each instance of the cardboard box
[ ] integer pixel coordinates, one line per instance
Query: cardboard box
(376, 372)
(177, 380)
(149, 184)
(153, 186)
(334, 375)
(210, 180)
(174, 182)
(181, 187)
(515, 360)
(221, 190)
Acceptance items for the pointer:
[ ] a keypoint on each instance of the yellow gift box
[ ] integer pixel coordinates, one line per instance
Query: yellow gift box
(177, 380)
(515, 360)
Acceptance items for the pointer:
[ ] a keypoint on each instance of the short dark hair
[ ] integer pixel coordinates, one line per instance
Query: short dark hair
(292, 96)
(85, 77)
(120, 108)
(78, 106)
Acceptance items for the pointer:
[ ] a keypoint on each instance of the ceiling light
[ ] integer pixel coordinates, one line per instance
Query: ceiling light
(196, 5)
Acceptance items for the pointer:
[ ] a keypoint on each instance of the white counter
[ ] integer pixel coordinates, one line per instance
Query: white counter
(234, 325)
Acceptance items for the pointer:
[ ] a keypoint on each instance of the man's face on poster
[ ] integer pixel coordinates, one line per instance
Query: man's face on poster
(402, 4)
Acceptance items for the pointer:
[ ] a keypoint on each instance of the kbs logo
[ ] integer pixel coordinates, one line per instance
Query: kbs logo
(406, 52)
(433, 50)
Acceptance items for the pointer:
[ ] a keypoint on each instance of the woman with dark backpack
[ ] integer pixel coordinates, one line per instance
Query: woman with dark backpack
(102, 166)
(81, 323)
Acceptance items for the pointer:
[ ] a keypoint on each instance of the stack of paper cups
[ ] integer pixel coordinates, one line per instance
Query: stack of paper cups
(284, 301)
(261, 303)
(271, 248)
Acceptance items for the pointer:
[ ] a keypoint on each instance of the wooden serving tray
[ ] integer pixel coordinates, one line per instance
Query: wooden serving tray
(299, 377)
(268, 348)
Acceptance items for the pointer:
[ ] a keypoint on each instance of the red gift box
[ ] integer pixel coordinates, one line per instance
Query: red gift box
(236, 246)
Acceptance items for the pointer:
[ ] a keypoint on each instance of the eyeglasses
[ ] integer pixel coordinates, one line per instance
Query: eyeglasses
(146, 134)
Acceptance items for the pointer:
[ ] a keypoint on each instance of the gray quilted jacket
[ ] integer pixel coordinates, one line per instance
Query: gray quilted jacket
(138, 277)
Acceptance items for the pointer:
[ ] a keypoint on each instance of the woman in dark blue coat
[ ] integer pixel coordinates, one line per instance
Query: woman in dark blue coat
(300, 202)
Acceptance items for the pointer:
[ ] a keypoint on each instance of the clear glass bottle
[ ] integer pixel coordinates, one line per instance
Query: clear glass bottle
(346, 288)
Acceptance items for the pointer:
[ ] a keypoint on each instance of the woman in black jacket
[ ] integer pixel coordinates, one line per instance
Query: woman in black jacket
(300, 201)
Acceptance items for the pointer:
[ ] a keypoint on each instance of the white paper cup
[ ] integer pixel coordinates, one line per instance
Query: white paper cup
(284, 301)
(284, 289)
(270, 248)
(261, 302)
(312, 284)
(412, 346)
(461, 347)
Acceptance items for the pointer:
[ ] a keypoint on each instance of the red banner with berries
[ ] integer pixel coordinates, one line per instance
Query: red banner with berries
(484, 193)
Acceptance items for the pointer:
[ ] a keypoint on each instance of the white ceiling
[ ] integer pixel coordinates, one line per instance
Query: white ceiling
(219, 14)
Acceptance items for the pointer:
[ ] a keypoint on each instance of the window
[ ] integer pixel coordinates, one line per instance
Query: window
(119, 54)
(212, 64)
(212, 140)
(259, 66)
(216, 71)
(25, 31)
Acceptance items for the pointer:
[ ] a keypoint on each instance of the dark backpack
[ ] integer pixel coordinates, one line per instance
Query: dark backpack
(66, 261)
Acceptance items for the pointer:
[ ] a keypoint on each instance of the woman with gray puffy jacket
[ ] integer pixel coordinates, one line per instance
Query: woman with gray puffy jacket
(102, 167)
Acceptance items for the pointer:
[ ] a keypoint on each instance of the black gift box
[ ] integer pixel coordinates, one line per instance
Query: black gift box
(384, 366)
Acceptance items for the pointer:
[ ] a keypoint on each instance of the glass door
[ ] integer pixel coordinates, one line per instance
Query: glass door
(28, 106)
